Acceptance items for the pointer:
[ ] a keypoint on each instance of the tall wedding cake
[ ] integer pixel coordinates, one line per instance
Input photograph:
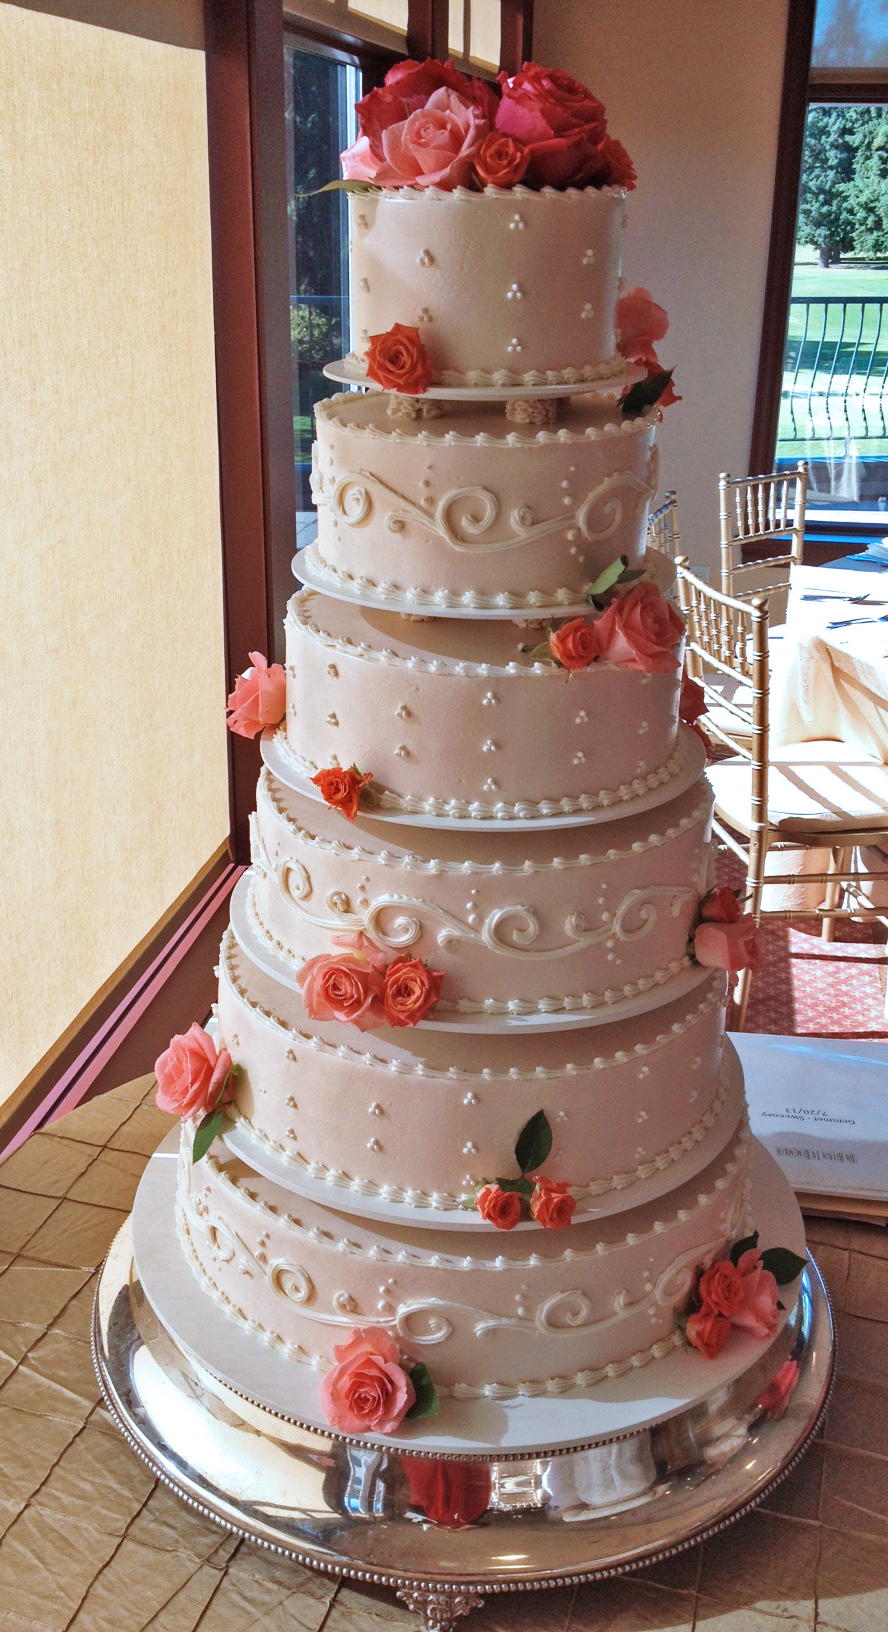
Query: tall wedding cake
(469, 1126)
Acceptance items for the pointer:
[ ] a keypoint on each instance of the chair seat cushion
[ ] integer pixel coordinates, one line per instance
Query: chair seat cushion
(813, 787)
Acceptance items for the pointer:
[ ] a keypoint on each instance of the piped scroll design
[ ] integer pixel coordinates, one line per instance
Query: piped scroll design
(465, 515)
(397, 921)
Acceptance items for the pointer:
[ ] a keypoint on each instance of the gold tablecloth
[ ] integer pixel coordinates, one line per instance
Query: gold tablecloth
(90, 1542)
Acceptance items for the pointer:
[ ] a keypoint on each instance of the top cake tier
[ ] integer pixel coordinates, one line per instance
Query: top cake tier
(506, 288)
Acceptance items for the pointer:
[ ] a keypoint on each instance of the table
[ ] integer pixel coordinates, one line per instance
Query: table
(89, 1542)
(833, 682)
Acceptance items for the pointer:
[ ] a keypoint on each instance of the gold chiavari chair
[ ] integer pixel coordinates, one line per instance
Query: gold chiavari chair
(662, 527)
(807, 796)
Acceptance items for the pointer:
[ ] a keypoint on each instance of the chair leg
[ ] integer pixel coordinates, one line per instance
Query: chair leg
(755, 876)
(838, 862)
(740, 1000)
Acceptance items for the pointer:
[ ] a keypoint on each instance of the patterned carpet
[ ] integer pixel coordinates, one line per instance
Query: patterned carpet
(808, 988)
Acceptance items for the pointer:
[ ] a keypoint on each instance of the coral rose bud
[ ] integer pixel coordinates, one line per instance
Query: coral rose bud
(368, 1389)
(721, 906)
(259, 698)
(500, 160)
(692, 700)
(552, 1205)
(640, 324)
(342, 789)
(721, 1288)
(500, 1207)
(399, 361)
(727, 946)
(190, 1074)
(410, 991)
(708, 1332)
(575, 645)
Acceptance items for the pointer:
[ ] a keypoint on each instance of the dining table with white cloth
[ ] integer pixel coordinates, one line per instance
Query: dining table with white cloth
(830, 668)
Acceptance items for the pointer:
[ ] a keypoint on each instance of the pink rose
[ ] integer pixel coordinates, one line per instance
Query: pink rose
(190, 1074)
(731, 946)
(640, 630)
(559, 121)
(640, 324)
(758, 1312)
(410, 990)
(776, 1396)
(500, 161)
(707, 1331)
(721, 906)
(576, 644)
(435, 146)
(500, 1207)
(721, 1288)
(552, 1205)
(259, 697)
(365, 948)
(368, 1388)
(346, 988)
(342, 789)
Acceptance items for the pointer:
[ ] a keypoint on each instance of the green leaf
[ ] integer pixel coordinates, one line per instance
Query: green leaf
(606, 579)
(205, 1134)
(517, 1187)
(540, 654)
(746, 1245)
(644, 393)
(631, 575)
(785, 1266)
(343, 187)
(533, 1143)
(426, 1402)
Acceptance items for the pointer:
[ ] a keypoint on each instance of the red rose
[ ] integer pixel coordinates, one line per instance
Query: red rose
(552, 1205)
(619, 171)
(368, 1388)
(692, 700)
(500, 161)
(500, 1207)
(731, 946)
(721, 1288)
(559, 121)
(721, 906)
(259, 698)
(342, 789)
(640, 630)
(452, 1493)
(346, 988)
(399, 361)
(575, 645)
(708, 1332)
(410, 991)
(190, 1074)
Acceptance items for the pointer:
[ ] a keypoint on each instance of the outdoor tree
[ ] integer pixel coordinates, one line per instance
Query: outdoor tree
(844, 201)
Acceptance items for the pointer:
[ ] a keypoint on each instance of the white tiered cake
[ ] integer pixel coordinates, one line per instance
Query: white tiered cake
(497, 941)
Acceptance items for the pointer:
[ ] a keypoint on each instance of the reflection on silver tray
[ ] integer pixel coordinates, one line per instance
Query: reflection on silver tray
(377, 1514)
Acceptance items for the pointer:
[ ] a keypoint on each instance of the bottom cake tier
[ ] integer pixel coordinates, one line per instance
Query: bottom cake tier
(492, 1314)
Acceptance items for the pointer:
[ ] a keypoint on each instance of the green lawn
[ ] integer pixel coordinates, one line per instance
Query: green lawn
(836, 371)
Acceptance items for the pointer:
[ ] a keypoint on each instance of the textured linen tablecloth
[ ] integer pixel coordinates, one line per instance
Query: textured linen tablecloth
(833, 683)
(90, 1541)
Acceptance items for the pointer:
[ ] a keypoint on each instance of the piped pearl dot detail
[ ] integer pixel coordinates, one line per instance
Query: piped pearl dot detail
(425, 315)
(402, 751)
(514, 345)
(587, 311)
(376, 1109)
(373, 1144)
(332, 671)
(402, 713)
(470, 1149)
(489, 699)
(516, 223)
(426, 258)
(470, 1098)
(365, 286)
(589, 257)
(514, 292)
(332, 720)
(581, 718)
(488, 747)
(579, 758)
(490, 786)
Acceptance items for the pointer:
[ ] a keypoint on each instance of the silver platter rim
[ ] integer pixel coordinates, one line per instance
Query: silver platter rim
(462, 1566)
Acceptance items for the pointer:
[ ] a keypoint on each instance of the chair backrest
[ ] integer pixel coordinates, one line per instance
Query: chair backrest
(761, 510)
(726, 638)
(662, 527)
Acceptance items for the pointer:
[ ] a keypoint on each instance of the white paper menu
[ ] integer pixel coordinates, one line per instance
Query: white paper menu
(820, 1106)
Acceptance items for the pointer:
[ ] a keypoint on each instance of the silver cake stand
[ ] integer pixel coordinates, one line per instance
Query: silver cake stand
(444, 1531)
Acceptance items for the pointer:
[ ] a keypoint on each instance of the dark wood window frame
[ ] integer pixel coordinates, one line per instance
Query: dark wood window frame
(169, 980)
(801, 87)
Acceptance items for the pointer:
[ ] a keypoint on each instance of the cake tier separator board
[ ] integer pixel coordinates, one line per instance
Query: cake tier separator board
(309, 569)
(263, 953)
(337, 1191)
(666, 1388)
(352, 370)
(693, 763)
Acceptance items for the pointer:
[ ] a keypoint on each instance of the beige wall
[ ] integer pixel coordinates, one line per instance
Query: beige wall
(692, 87)
(113, 792)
